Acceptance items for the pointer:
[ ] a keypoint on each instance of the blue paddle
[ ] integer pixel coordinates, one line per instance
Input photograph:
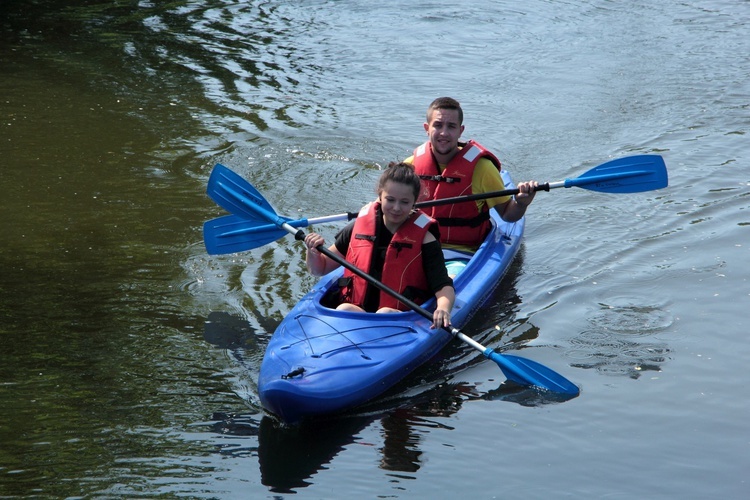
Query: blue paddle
(230, 234)
(238, 196)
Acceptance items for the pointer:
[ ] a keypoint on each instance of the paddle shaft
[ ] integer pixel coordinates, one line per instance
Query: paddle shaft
(481, 196)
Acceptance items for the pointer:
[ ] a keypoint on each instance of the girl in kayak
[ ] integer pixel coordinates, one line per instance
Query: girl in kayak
(394, 243)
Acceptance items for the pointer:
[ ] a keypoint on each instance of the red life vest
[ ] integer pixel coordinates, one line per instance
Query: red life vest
(460, 223)
(402, 265)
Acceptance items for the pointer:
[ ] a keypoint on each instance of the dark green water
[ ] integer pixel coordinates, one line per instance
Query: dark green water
(129, 356)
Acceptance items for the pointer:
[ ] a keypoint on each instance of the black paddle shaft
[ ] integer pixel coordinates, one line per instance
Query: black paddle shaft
(478, 196)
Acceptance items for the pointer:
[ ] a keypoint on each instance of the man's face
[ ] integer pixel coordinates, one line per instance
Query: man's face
(444, 130)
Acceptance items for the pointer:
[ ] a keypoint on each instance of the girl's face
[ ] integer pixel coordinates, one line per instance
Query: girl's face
(397, 201)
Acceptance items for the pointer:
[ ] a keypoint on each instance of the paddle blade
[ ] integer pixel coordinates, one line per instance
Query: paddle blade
(233, 193)
(527, 372)
(232, 234)
(631, 174)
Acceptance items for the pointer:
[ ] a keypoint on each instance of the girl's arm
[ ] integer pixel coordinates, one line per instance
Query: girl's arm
(442, 315)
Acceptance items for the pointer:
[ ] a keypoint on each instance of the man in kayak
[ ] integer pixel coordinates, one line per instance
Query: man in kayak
(450, 168)
(393, 243)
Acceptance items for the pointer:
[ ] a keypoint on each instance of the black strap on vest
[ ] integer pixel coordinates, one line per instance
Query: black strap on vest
(399, 245)
(368, 237)
(440, 178)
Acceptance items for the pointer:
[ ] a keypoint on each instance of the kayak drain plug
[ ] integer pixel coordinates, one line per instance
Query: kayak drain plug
(294, 373)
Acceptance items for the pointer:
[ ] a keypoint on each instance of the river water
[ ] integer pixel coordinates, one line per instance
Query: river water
(129, 356)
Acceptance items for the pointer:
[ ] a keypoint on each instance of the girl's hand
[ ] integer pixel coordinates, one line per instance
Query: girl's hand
(440, 318)
(312, 241)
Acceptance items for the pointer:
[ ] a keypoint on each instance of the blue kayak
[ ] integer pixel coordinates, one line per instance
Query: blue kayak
(321, 361)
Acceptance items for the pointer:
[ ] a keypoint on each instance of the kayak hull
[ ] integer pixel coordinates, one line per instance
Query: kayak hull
(321, 361)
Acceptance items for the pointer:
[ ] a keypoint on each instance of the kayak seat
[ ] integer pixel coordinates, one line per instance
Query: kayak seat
(455, 266)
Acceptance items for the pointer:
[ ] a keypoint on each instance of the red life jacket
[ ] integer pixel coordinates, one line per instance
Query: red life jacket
(402, 265)
(460, 223)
